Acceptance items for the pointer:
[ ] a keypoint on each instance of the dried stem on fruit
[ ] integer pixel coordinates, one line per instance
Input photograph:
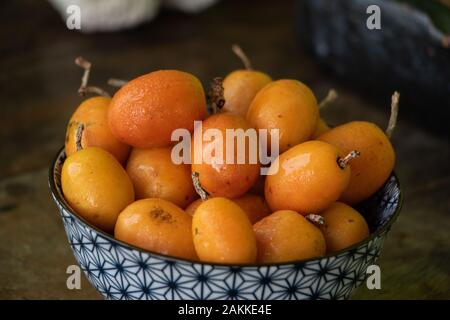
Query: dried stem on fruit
(329, 99)
(84, 88)
(241, 55)
(198, 187)
(215, 94)
(343, 162)
(79, 136)
(114, 82)
(394, 113)
(316, 219)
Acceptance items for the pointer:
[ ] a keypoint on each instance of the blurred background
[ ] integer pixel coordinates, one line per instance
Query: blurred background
(325, 44)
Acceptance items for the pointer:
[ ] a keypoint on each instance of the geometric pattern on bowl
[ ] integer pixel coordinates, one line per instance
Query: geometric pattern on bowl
(121, 271)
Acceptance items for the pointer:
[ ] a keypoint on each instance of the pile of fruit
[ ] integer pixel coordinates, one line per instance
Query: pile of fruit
(119, 174)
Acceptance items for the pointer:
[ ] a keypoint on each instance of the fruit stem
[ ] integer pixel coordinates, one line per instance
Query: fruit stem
(343, 162)
(84, 88)
(215, 94)
(329, 99)
(316, 219)
(79, 135)
(198, 187)
(241, 55)
(114, 82)
(394, 113)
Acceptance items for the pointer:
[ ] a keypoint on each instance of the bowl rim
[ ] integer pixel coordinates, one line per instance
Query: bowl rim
(59, 198)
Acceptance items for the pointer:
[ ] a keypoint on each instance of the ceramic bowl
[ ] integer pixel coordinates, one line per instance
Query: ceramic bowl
(122, 271)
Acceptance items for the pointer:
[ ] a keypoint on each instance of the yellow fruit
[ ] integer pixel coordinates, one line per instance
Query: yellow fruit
(96, 186)
(92, 113)
(223, 233)
(286, 105)
(344, 226)
(240, 87)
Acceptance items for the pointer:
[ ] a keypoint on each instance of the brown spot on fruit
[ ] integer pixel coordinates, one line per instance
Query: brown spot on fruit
(160, 215)
(157, 225)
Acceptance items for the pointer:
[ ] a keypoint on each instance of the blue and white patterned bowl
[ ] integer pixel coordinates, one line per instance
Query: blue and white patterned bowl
(122, 271)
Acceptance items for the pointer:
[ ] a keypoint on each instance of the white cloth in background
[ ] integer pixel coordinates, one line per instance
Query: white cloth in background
(114, 15)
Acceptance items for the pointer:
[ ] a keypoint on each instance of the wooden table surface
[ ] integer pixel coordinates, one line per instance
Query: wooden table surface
(38, 90)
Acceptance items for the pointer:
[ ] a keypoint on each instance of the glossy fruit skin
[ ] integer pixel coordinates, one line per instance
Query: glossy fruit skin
(157, 225)
(96, 186)
(224, 180)
(285, 236)
(287, 105)
(308, 180)
(145, 111)
(240, 87)
(93, 113)
(375, 164)
(344, 227)
(254, 206)
(223, 233)
(322, 127)
(154, 175)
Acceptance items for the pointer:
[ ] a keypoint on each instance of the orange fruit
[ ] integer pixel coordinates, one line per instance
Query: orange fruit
(307, 178)
(154, 175)
(92, 113)
(287, 236)
(145, 111)
(240, 87)
(190, 209)
(223, 233)
(230, 180)
(258, 186)
(286, 105)
(322, 127)
(344, 226)
(254, 206)
(157, 225)
(371, 170)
